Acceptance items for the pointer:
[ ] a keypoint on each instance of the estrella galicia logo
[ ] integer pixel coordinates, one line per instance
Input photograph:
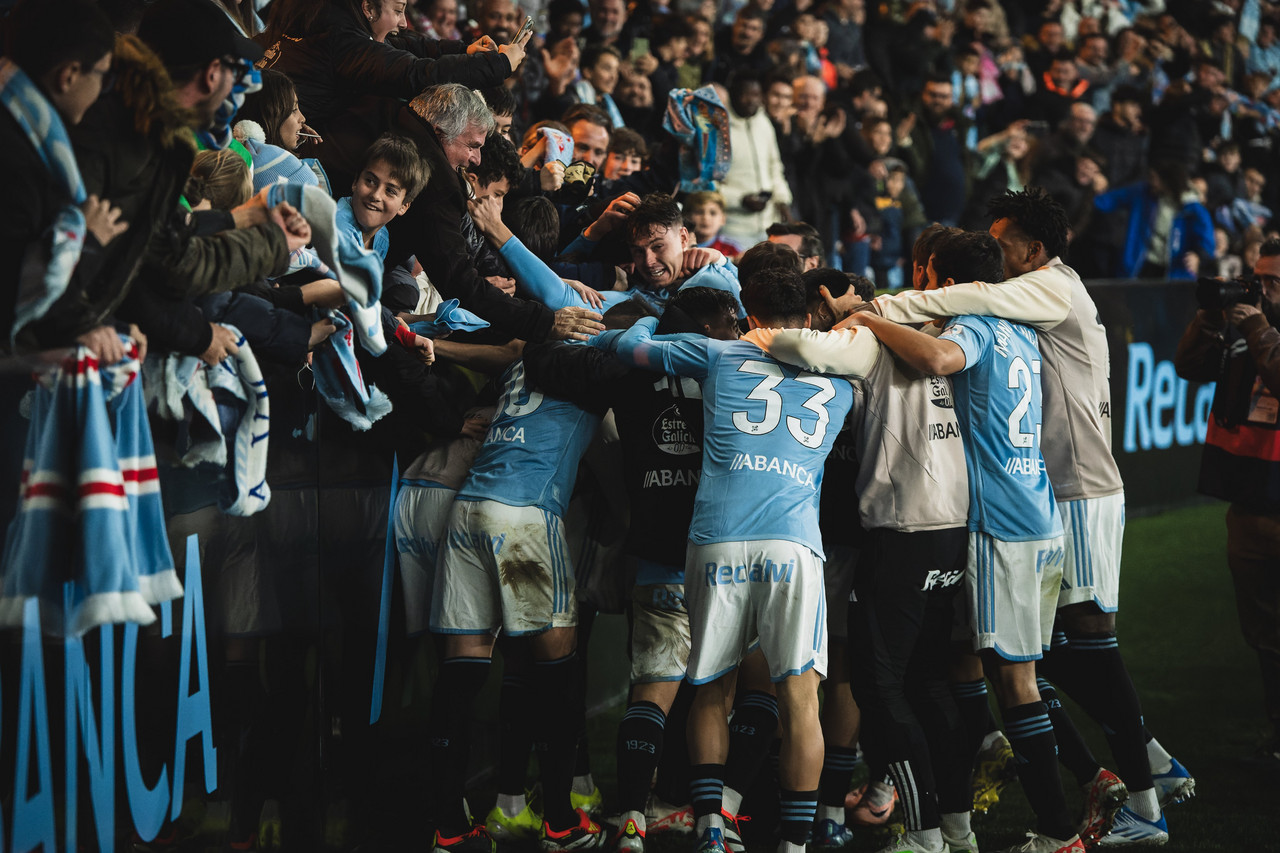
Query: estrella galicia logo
(671, 434)
(940, 392)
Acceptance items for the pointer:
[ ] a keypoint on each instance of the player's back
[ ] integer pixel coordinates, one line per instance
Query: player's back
(998, 401)
(1077, 399)
(768, 430)
(530, 456)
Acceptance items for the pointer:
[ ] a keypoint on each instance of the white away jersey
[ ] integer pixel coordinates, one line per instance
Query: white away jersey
(768, 428)
(998, 403)
(1076, 379)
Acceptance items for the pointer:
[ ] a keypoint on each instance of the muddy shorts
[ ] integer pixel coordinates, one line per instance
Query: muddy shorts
(502, 567)
(659, 633)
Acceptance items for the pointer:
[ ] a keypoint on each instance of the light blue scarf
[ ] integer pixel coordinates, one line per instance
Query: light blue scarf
(698, 119)
(42, 283)
(449, 318)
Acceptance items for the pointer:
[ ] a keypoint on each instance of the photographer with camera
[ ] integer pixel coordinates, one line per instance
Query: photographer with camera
(1235, 340)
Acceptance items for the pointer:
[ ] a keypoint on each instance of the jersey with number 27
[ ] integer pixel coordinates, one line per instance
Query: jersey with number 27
(767, 430)
(998, 403)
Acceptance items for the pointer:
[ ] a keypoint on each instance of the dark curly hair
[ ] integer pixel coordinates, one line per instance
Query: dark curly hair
(498, 160)
(1036, 215)
(656, 211)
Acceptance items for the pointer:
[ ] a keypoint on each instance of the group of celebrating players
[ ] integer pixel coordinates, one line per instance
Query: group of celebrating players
(969, 420)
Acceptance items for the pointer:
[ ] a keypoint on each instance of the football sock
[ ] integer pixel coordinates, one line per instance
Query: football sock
(706, 788)
(838, 763)
(795, 818)
(1158, 758)
(1093, 674)
(456, 689)
(514, 738)
(511, 804)
(1144, 804)
(751, 731)
(558, 684)
(956, 824)
(639, 747)
(975, 712)
(1030, 734)
(1073, 752)
(731, 800)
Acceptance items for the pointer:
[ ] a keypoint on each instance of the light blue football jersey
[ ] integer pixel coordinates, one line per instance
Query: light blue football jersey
(767, 430)
(530, 456)
(998, 403)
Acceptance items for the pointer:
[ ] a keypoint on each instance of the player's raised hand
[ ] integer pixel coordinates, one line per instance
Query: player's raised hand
(695, 259)
(614, 215)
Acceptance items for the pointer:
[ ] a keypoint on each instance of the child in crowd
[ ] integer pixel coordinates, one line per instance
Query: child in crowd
(899, 213)
(272, 128)
(627, 153)
(705, 214)
(503, 106)
(392, 176)
(271, 319)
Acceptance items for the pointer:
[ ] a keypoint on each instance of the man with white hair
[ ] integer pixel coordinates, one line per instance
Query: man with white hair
(449, 123)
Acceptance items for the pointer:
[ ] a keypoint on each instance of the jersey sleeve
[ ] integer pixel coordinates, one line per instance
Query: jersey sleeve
(721, 275)
(973, 337)
(848, 352)
(637, 348)
(1040, 298)
(537, 279)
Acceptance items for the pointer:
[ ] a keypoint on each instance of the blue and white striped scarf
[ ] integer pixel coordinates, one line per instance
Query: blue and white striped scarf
(89, 513)
(48, 265)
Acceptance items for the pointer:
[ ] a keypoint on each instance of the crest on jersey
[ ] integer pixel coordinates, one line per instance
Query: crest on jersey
(672, 435)
(940, 392)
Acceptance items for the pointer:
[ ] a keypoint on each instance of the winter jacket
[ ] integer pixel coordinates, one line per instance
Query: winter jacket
(431, 230)
(1192, 229)
(335, 63)
(1241, 461)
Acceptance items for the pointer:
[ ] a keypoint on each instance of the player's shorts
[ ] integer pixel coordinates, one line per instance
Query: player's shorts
(1093, 532)
(421, 516)
(659, 633)
(767, 588)
(502, 567)
(1012, 591)
(838, 580)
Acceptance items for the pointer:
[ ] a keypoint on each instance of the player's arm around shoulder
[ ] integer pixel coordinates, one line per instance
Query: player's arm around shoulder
(848, 352)
(1041, 298)
(675, 357)
(933, 356)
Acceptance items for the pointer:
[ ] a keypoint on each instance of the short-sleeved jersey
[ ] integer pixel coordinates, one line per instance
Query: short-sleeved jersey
(767, 430)
(998, 402)
(530, 456)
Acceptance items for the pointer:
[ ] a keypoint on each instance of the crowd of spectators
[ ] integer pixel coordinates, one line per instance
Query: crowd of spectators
(396, 197)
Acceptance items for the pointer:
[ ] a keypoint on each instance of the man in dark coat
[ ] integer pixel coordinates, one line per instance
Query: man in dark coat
(449, 125)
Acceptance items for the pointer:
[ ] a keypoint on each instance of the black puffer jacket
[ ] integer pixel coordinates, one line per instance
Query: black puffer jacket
(335, 64)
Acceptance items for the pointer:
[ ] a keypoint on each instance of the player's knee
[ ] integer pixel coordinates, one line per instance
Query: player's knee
(1085, 617)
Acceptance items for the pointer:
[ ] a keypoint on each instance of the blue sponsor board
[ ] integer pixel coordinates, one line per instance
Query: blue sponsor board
(1158, 420)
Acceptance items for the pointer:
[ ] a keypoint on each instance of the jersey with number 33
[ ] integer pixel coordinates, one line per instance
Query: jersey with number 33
(768, 428)
(998, 403)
